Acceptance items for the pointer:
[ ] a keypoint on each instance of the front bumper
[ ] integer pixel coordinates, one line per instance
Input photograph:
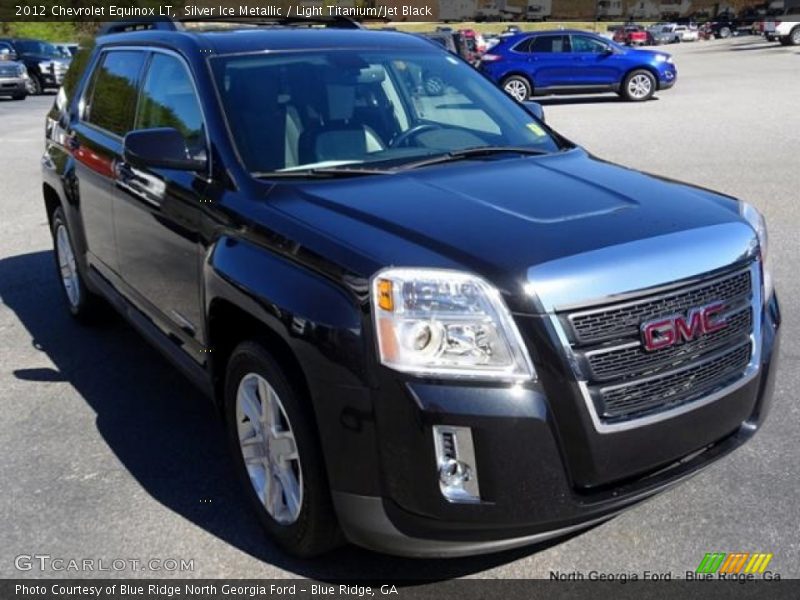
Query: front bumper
(528, 466)
(12, 86)
(667, 78)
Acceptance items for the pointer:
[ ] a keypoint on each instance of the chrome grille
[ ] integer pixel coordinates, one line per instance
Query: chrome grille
(663, 392)
(626, 382)
(622, 320)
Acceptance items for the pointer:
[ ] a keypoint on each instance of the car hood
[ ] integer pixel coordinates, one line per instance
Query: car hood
(501, 217)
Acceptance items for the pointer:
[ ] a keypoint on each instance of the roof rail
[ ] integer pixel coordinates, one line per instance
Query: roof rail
(167, 24)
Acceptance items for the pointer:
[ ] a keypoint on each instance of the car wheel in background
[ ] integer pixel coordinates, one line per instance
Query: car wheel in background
(794, 37)
(34, 85)
(725, 32)
(82, 303)
(276, 453)
(518, 87)
(639, 85)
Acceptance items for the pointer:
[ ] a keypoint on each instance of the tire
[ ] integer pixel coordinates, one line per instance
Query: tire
(293, 500)
(639, 85)
(35, 87)
(725, 32)
(518, 87)
(19, 96)
(82, 303)
(794, 37)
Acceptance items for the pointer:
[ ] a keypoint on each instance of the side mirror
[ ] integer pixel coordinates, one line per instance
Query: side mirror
(535, 109)
(159, 148)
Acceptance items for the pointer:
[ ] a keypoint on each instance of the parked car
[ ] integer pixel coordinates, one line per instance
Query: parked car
(68, 49)
(663, 33)
(686, 33)
(44, 62)
(570, 62)
(631, 35)
(725, 25)
(13, 76)
(785, 28)
(434, 328)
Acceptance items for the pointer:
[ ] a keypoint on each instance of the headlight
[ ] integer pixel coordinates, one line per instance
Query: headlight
(44, 66)
(756, 220)
(444, 323)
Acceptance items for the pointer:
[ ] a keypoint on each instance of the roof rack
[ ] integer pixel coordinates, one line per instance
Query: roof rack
(167, 24)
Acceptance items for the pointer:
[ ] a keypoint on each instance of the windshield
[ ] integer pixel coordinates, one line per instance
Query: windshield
(39, 48)
(303, 110)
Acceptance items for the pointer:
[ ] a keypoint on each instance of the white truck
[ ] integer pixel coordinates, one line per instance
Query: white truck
(539, 10)
(784, 27)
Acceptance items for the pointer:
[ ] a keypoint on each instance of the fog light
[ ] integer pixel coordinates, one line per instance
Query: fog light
(455, 460)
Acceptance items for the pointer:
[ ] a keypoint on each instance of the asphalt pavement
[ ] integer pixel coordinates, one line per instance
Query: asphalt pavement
(106, 453)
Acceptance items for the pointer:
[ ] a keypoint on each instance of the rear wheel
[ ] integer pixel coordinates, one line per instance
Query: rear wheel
(639, 85)
(82, 303)
(518, 87)
(725, 32)
(277, 453)
(794, 37)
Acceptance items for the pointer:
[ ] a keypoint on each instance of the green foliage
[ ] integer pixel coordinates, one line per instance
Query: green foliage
(63, 31)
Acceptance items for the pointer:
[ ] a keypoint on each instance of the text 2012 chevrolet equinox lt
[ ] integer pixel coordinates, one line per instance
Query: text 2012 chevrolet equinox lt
(434, 326)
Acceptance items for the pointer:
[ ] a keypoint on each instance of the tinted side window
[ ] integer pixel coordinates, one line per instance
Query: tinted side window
(112, 101)
(549, 43)
(583, 43)
(169, 100)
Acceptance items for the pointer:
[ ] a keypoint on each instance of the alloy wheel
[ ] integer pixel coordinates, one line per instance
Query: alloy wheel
(640, 86)
(516, 89)
(67, 266)
(269, 449)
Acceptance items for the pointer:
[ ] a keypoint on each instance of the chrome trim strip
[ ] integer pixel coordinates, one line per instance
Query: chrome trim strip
(614, 273)
(749, 373)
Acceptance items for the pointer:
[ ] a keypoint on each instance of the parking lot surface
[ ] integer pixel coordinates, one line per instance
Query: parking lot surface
(107, 453)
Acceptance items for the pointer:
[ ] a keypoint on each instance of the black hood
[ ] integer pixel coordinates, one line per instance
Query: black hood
(500, 217)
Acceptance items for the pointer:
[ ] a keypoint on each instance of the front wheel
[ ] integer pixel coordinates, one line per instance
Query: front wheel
(517, 87)
(277, 453)
(725, 33)
(34, 85)
(639, 86)
(794, 37)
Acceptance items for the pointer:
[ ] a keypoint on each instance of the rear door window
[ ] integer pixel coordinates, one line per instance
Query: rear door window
(111, 101)
(553, 44)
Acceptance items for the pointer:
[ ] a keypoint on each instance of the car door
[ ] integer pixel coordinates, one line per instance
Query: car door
(158, 210)
(550, 62)
(595, 63)
(106, 113)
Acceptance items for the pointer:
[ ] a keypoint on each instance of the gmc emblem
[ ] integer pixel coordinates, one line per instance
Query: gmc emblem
(677, 329)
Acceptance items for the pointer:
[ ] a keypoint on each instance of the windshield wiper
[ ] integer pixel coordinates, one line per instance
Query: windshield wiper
(467, 153)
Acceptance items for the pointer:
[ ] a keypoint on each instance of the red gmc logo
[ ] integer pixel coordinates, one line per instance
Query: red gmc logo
(677, 329)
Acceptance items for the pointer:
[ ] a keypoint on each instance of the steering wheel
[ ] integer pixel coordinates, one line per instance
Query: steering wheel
(410, 133)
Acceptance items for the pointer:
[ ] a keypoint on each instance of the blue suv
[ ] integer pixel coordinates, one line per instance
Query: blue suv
(576, 62)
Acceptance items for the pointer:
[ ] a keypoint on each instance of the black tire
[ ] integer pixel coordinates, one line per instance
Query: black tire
(84, 305)
(635, 81)
(19, 96)
(520, 85)
(315, 530)
(35, 87)
(725, 32)
(794, 37)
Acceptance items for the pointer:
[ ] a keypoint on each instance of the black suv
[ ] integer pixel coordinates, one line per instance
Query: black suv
(433, 325)
(46, 64)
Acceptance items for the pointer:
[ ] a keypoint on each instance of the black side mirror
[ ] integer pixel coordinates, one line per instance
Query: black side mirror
(535, 109)
(163, 147)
